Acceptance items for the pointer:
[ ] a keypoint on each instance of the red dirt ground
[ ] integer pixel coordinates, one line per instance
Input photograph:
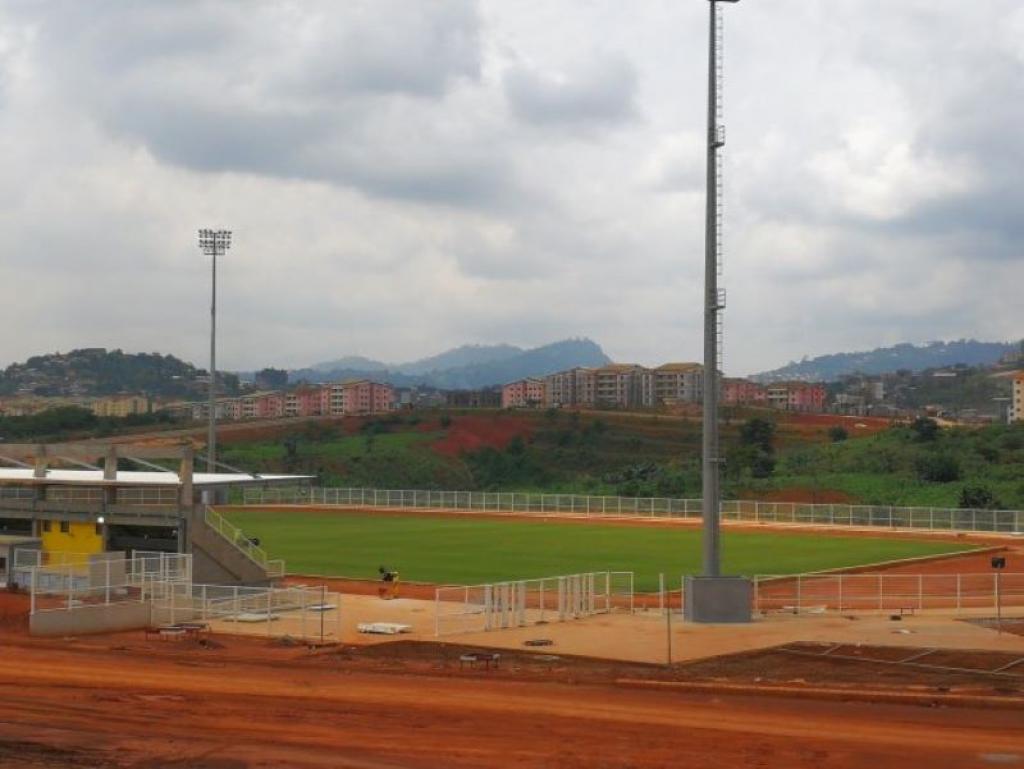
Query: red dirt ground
(470, 433)
(975, 588)
(119, 701)
(14, 608)
(856, 426)
(970, 563)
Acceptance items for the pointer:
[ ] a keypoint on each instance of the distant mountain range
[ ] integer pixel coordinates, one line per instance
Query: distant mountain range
(458, 357)
(466, 367)
(901, 357)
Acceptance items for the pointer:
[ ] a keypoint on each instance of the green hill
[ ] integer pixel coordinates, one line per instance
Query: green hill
(769, 455)
(97, 371)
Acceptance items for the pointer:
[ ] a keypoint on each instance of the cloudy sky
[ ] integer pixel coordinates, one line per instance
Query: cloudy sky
(404, 176)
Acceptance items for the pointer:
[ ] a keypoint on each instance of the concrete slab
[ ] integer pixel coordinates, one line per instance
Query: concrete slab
(642, 637)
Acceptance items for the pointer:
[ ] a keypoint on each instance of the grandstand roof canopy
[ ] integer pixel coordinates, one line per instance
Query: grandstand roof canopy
(55, 475)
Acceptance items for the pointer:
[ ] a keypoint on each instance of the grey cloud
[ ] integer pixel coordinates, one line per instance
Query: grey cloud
(602, 92)
(261, 91)
(394, 47)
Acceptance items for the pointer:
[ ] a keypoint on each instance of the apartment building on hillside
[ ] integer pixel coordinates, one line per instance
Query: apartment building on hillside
(524, 393)
(623, 385)
(303, 401)
(743, 392)
(1017, 399)
(473, 399)
(796, 396)
(627, 385)
(574, 387)
(120, 405)
(355, 396)
(105, 406)
(334, 399)
(678, 383)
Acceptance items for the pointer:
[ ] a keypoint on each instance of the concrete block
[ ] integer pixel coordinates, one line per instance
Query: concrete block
(717, 599)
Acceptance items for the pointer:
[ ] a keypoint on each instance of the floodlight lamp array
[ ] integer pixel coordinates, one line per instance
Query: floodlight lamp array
(214, 241)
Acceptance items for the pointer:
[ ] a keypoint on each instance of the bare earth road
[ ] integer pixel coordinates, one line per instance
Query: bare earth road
(121, 707)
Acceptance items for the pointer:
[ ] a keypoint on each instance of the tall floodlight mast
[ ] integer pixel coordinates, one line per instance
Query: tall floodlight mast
(212, 243)
(712, 597)
(714, 299)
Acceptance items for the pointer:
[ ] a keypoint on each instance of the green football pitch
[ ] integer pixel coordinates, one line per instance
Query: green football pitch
(467, 550)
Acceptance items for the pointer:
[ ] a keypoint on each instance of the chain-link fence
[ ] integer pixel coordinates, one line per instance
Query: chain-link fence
(755, 511)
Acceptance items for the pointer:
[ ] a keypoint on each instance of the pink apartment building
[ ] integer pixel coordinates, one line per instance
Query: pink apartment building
(743, 392)
(366, 397)
(526, 393)
(359, 396)
(334, 399)
(304, 401)
(797, 396)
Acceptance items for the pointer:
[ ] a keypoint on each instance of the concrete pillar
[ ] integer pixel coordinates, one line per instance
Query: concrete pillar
(41, 462)
(110, 464)
(185, 469)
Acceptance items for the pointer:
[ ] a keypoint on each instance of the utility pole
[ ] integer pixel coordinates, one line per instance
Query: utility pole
(212, 243)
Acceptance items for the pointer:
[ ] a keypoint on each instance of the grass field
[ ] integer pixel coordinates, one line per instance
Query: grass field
(471, 550)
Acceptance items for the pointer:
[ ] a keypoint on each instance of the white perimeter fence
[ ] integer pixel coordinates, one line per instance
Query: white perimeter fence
(521, 603)
(820, 593)
(881, 516)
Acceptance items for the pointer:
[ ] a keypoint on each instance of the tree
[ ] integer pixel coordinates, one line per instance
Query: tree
(291, 453)
(925, 429)
(978, 497)
(758, 432)
(271, 379)
(838, 434)
(938, 468)
(762, 465)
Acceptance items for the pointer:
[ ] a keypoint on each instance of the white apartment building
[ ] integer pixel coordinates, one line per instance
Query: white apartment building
(679, 383)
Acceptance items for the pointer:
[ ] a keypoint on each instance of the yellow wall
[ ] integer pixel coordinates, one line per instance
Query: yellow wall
(80, 538)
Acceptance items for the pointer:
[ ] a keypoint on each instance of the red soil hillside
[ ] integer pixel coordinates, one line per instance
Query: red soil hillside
(470, 433)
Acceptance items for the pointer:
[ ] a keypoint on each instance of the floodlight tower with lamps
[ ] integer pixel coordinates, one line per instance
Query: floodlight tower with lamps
(712, 597)
(212, 243)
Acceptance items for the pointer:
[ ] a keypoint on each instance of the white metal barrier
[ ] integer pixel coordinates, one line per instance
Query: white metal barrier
(297, 612)
(887, 592)
(755, 511)
(102, 579)
(520, 603)
(234, 535)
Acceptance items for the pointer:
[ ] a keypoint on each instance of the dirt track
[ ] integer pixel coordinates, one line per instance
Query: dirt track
(118, 703)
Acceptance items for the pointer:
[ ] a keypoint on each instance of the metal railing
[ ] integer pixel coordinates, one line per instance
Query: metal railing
(521, 603)
(161, 496)
(754, 511)
(297, 612)
(100, 579)
(234, 535)
(886, 592)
